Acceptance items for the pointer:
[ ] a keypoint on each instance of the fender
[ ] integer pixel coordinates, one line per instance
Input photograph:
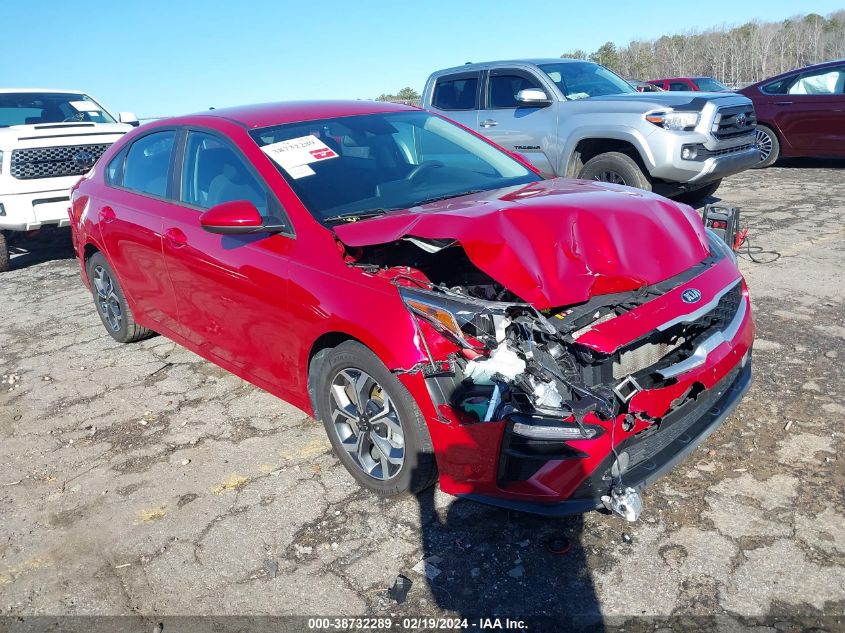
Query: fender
(598, 132)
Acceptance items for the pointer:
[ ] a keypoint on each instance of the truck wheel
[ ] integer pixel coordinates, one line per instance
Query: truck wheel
(697, 196)
(374, 425)
(769, 146)
(616, 168)
(4, 253)
(112, 307)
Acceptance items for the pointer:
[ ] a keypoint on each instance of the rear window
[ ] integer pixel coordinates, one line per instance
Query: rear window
(456, 94)
(148, 163)
(34, 108)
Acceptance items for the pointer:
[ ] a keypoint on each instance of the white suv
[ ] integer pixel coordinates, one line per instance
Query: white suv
(48, 139)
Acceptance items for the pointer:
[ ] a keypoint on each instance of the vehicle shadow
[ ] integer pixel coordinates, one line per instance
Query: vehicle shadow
(811, 163)
(50, 244)
(487, 562)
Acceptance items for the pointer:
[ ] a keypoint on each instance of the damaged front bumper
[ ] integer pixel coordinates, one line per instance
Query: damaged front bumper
(648, 458)
(658, 379)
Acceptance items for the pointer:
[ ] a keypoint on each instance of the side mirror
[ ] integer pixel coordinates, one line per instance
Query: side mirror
(129, 118)
(238, 217)
(533, 97)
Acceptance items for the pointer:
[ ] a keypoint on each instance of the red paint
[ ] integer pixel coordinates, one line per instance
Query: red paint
(555, 242)
(238, 214)
(256, 304)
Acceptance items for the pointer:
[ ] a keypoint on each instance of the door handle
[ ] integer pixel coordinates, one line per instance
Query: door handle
(783, 103)
(488, 123)
(107, 215)
(176, 237)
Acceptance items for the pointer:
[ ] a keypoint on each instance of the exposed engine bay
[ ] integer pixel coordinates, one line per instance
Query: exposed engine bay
(508, 356)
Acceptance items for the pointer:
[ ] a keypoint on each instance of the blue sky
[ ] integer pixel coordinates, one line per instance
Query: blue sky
(166, 58)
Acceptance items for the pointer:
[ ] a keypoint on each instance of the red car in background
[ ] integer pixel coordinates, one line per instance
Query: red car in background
(801, 113)
(694, 84)
(547, 345)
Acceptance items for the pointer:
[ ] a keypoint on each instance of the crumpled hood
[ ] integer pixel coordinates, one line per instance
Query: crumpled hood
(555, 242)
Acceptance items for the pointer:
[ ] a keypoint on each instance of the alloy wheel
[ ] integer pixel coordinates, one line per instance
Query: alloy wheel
(367, 424)
(764, 144)
(610, 176)
(107, 300)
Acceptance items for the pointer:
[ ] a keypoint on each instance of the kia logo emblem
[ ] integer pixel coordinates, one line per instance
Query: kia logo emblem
(83, 159)
(691, 295)
(741, 119)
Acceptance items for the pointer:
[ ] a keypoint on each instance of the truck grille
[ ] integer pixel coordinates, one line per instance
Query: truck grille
(652, 352)
(53, 162)
(734, 121)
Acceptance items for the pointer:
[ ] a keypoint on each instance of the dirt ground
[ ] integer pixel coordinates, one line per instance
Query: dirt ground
(142, 480)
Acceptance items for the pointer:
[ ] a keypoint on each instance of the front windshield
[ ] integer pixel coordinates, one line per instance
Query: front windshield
(708, 84)
(33, 108)
(356, 165)
(581, 80)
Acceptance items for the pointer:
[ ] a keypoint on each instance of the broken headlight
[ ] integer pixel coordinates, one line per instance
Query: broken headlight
(468, 322)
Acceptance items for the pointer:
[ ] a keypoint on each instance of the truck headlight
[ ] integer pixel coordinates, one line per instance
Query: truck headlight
(674, 119)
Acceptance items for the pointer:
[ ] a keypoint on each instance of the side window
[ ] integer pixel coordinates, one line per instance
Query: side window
(456, 93)
(213, 173)
(502, 90)
(820, 82)
(114, 170)
(778, 87)
(148, 162)
(678, 85)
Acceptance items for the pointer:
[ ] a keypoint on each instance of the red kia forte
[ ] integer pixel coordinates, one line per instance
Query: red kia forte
(545, 345)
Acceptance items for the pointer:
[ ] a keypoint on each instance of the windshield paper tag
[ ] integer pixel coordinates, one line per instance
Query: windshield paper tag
(84, 106)
(299, 171)
(296, 153)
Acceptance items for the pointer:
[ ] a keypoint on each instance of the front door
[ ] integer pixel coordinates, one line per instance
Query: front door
(529, 130)
(811, 115)
(231, 289)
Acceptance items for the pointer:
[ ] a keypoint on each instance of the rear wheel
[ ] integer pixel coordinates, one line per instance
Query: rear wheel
(112, 307)
(4, 253)
(616, 168)
(374, 425)
(769, 146)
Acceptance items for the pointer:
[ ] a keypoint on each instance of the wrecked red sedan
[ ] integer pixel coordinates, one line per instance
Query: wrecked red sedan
(545, 345)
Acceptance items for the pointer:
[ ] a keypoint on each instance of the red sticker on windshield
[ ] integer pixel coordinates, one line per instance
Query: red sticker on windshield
(322, 154)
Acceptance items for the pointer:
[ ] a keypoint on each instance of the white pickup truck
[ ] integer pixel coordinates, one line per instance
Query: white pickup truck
(48, 139)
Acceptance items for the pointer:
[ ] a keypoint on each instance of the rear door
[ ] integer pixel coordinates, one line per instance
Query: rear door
(130, 214)
(811, 113)
(529, 130)
(456, 97)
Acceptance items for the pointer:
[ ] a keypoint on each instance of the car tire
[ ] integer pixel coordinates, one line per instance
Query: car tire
(697, 196)
(351, 369)
(769, 145)
(111, 303)
(617, 168)
(5, 262)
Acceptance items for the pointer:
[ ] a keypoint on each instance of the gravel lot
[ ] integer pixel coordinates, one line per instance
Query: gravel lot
(142, 480)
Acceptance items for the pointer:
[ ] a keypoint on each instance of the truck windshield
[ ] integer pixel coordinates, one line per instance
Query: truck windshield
(32, 108)
(352, 167)
(581, 80)
(708, 84)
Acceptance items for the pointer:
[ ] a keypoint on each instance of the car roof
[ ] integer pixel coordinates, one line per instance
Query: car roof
(830, 64)
(267, 114)
(506, 62)
(36, 90)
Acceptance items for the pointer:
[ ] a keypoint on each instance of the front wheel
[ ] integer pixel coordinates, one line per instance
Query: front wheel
(374, 425)
(767, 142)
(5, 262)
(616, 168)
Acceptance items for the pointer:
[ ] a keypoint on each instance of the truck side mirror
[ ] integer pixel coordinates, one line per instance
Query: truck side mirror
(533, 97)
(129, 118)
